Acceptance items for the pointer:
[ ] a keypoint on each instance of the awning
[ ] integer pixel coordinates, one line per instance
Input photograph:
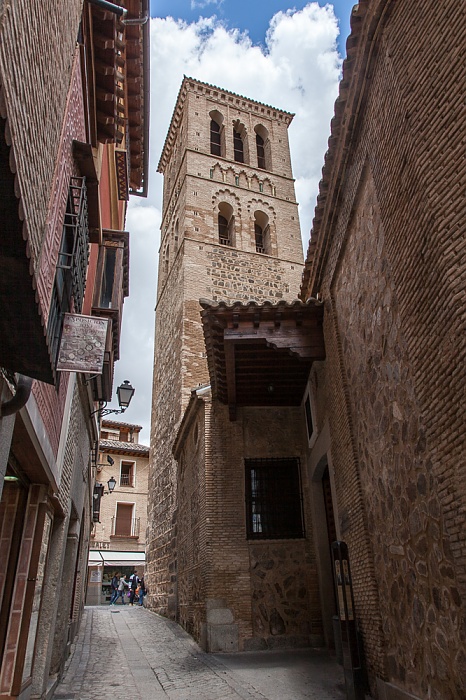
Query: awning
(112, 558)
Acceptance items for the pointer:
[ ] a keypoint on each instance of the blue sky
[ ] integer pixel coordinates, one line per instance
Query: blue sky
(285, 54)
(252, 16)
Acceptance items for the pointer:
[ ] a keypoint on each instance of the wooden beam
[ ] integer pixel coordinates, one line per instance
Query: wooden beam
(230, 376)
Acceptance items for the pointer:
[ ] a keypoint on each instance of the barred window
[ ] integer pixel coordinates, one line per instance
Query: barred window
(273, 499)
(70, 276)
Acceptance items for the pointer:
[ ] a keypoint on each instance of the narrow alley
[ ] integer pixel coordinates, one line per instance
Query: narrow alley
(133, 653)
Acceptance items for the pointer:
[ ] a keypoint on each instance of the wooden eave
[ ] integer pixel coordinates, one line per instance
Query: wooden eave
(261, 354)
(118, 55)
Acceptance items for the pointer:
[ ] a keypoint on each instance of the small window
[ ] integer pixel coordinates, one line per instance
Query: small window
(238, 147)
(273, 499)
(127, 474)
(236, 180)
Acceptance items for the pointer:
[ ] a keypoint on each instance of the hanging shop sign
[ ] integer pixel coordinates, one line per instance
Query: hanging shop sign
(82, 345)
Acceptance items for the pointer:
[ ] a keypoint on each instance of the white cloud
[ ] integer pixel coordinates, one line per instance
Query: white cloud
(298, 71)
(200, 4)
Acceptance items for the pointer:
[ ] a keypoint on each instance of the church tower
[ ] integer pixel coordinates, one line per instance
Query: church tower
(230, 235)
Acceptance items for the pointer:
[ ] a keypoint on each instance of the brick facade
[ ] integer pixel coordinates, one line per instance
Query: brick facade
(387, 256)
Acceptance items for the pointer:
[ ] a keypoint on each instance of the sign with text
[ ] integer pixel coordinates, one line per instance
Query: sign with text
(82, 344)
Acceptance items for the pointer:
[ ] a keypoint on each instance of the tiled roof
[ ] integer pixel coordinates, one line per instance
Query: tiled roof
(365, 17)
(119, 424)
(127, 447)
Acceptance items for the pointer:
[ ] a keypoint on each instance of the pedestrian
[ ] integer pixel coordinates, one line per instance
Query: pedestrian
(142, 590)
(114, 587)
(133, 584)
(122, 584)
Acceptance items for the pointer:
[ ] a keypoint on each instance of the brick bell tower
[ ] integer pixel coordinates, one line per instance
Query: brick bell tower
(230, 232)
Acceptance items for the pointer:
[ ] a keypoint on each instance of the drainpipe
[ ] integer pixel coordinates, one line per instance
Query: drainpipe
(110, 7)
(16, 403)
(120, 11)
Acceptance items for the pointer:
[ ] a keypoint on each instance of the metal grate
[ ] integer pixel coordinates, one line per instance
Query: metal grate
(273, 499)
(70, 276)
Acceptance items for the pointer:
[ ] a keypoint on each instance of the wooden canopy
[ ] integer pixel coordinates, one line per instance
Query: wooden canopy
(261, 354)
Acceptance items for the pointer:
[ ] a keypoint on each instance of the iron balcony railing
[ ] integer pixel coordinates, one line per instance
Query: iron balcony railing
(125, 527)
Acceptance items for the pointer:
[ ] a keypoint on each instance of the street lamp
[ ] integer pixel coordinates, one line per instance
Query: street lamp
(125, 393)
(111, 483)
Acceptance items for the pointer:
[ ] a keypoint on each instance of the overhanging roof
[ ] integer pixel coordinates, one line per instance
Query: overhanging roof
(261, 354)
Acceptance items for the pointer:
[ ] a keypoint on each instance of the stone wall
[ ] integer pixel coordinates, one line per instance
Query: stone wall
(389, 264)
(234, 593)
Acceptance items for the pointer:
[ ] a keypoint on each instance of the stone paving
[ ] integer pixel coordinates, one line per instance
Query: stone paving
(131, 653)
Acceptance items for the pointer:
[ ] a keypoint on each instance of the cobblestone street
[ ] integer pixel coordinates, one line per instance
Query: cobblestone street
(133, 653)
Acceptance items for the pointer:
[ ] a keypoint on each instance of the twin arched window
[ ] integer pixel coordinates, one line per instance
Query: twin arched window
(240, 141)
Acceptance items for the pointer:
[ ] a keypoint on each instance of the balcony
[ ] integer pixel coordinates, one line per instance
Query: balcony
(124, 528)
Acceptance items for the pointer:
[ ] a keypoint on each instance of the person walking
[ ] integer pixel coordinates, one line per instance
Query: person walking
(142, 590)
(114, 587)
(122, 584)
(133, 584)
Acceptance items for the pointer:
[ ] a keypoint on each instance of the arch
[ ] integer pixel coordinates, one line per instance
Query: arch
(226, 224)
(263, 147)
(240, 143)
(217, 134)
(262, 232)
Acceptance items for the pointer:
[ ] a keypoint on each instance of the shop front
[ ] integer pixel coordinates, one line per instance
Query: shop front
(103, 564)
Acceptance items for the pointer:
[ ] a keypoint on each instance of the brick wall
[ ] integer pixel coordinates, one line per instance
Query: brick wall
(35, 72)
(394, 285)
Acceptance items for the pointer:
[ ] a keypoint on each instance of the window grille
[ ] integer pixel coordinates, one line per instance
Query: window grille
(238, 147)
(70, 277)
(273, 499)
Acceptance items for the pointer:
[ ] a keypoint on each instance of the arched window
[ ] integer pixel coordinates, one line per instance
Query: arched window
(262, 232)
(226, 224)
(260, 152)
(215, 144)
(263, 148)
(216, 134)
(238, 146)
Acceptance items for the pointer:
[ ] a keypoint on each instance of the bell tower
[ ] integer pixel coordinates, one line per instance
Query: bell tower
(230, 232)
